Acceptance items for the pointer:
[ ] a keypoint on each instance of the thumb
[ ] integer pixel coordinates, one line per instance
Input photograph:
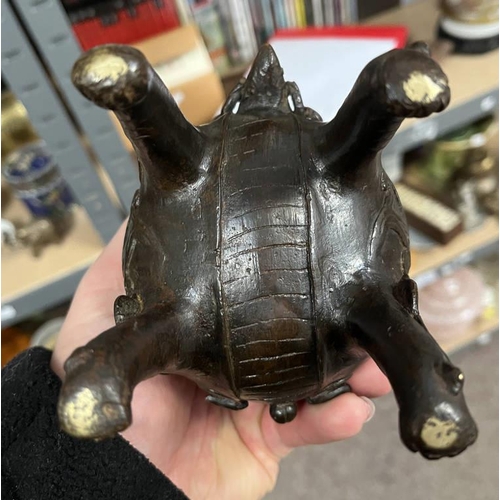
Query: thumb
(91, 311)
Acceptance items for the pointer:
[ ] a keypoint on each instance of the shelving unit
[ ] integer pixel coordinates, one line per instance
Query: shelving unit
(474, 93)
(37, 39)
(26, 77)
(29, 284)
(428, 266)
(480, 331)
(467, 247)
(58, 50)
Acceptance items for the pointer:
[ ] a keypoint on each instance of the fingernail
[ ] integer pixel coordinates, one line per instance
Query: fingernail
(370, 410)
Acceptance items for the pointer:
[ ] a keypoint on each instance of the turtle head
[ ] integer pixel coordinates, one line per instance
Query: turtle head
(434, 418)
(264, 87)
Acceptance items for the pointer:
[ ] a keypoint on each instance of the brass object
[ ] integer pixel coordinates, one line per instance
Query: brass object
(34, 178)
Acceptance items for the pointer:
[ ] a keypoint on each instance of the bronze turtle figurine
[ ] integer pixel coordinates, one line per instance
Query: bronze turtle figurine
(267, 253)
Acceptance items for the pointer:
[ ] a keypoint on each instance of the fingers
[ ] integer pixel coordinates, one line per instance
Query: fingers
(99, 287)
(106, 270)
(369, 381)
(91, 311)
(341, 418)
(104, 278)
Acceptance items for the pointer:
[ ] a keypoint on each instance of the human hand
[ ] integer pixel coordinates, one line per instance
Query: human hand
(207, 451)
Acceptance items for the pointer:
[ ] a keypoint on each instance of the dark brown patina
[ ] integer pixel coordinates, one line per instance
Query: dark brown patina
(266, 253)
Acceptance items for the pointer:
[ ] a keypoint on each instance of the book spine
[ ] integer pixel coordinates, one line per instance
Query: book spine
(308, 6)
(104, 24)
(319, 19)
(267, 16)
(337, 12)
(168, 14)
(300, 13)
(241, 20)
(233, 50)
(353, 4)
(344, 12)
(329, 12)
(290, 14)
(279, 14)
(207, 18)
(257, 21)
(250, 32)
(183, 12)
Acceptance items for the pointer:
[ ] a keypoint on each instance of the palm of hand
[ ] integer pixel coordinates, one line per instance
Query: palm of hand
(207, 451)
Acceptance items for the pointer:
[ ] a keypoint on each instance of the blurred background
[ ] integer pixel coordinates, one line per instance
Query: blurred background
(69, 174)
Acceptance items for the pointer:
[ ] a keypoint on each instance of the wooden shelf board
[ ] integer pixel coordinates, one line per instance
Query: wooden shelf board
(481, 327)
(423, 261)
(469, 75)
(23, 273)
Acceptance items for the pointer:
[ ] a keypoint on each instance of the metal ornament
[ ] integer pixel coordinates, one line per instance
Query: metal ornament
(266, 254)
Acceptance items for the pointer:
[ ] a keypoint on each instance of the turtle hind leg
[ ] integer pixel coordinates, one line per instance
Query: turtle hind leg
(283, 413)
(433, 416)
(95, 398)
(329, 392)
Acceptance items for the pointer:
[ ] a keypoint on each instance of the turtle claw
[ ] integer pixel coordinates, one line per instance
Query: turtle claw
(332, 391)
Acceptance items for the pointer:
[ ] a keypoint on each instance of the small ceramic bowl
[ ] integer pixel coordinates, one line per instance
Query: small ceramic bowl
(451, 304)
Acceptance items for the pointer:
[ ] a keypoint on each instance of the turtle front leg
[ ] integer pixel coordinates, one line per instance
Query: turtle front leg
(119, 78)
(434, 418)
(100, 377)
(400, 84)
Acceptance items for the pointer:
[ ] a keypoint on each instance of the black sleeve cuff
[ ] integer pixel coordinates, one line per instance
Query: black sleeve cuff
(41, 462)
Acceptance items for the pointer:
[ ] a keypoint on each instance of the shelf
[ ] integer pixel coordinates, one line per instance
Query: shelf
(481, 329)
(427, 265)
(473, 80)
(236, 71)
(31, 284)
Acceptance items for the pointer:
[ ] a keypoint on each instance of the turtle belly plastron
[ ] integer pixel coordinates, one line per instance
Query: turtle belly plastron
(266, 253)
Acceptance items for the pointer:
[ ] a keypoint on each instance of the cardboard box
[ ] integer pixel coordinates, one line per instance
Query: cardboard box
(182, 61)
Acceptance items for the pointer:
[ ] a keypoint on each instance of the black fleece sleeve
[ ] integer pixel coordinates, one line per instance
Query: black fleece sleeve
(41, 462)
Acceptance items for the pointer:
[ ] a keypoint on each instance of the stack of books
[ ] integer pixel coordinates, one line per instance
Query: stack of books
(96, 22)
(232, 29)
